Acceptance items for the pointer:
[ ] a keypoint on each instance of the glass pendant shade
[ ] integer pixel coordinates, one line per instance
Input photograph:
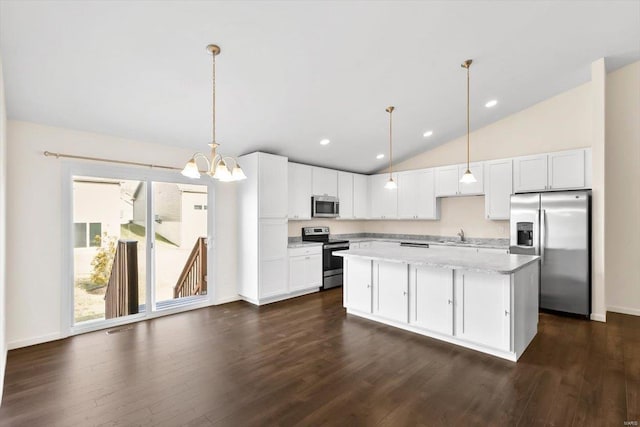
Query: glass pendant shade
(222, 172)
(391, 184)
(191, 169)
(468, 177)
(237, 173)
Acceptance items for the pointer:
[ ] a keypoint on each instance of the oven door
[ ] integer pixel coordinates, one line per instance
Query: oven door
(333, 265)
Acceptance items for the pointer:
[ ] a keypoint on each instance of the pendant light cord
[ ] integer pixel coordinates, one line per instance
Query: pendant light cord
(468, 122)
(213, 101)
(390, 145)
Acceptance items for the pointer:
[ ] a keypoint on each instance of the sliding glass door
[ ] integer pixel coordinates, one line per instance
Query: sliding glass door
(180, 241)
(138, 246)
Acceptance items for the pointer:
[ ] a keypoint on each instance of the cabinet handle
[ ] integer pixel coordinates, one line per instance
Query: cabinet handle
(368, 286)
(506, 313)
(449, 302)
(404, 293)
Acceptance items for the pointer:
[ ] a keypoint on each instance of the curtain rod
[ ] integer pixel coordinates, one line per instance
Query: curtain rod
(100, 159)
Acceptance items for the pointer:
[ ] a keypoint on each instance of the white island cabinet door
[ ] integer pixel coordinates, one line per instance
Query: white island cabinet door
(483, 308)
(390, 290)
(431, 303)
(357, 292)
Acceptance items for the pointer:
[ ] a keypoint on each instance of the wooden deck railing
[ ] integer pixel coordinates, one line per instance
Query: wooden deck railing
(121, 297)
(193, 279)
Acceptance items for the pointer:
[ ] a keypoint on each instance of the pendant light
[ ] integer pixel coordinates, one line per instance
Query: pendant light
(217, 165)
(468, 177)
(391, 184)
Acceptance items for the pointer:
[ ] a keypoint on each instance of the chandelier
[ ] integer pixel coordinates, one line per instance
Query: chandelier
(217, 165)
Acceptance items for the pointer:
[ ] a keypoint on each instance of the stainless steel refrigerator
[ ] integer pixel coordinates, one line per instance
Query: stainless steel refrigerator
(557, 227)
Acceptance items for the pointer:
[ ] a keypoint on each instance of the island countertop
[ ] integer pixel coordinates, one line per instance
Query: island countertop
(445, 258)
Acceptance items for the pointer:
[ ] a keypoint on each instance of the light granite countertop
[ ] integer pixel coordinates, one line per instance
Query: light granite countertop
(438, 242)
(452, 258)
(300, 244)
(413, 238)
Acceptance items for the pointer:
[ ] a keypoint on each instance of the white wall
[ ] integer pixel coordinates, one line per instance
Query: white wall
(3, 192)
(622, 198)
(34, 187)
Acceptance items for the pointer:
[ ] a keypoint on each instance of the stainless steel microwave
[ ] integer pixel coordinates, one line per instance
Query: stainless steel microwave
(325, 207)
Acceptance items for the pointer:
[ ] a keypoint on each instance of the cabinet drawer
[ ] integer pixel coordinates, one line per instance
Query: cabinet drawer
(301, 251)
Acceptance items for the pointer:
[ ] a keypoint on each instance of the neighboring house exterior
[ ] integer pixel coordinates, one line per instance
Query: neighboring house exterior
(96, 210)
(180, 211)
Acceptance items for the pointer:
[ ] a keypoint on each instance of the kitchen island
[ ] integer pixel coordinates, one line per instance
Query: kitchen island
(484, 301)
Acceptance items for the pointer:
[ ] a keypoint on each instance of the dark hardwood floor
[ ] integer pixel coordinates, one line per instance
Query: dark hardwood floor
(305, 362)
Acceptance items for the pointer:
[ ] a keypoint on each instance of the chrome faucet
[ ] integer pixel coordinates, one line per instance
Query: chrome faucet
(461, 235)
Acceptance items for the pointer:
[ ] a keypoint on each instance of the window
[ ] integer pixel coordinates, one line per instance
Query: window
(82, 239)
(80, 235)
(95, 230)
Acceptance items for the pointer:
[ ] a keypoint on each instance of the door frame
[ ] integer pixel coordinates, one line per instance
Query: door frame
(75, 168)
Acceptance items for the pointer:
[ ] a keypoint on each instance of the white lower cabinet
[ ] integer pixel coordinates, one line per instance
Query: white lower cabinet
(358, 292)
(483, 309)
(431, 299)
(273, 258)
(305, 268)
(391, 290)
(489, 312)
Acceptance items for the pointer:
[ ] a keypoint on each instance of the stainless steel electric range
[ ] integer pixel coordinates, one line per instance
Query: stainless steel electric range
(332, 267)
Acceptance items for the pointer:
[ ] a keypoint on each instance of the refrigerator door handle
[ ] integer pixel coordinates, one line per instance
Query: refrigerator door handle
(543, 234)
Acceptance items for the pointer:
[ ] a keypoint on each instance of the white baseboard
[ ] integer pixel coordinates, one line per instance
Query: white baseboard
(12, 345)
(599, 317)
(226, 300)
(624, 310)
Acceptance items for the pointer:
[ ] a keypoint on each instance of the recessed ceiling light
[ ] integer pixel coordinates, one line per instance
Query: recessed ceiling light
(324, 142)
(427, 134)
(491, 103)
(380, 156)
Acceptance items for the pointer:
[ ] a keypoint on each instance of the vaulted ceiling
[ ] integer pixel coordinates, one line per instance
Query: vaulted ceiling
(293, 73)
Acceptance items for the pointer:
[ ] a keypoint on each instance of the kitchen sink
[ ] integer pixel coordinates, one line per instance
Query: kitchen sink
(454, 242)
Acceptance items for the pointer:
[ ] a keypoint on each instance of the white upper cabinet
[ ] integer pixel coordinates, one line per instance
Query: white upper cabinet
(299, 191)
(345, 194)
(566, 170)
(360, 196)
(448, 180)
(498, 188)
(416, 195)
(553, 171)
(384, 202)
(473, 188)
(272, 186)
(325, 182)
(530, 173)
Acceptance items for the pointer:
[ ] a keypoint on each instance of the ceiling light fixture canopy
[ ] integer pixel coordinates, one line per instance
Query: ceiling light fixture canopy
(468, 177)
(391, 184)
(217, 165)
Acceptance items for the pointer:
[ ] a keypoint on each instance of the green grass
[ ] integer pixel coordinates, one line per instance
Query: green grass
(136, 232)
